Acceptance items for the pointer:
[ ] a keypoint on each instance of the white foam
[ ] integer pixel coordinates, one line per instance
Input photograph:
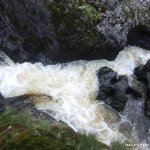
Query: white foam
(73, 88)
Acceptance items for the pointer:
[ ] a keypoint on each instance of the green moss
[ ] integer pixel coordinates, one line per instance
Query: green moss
(22, 119)
(118, 146)
(75, 24)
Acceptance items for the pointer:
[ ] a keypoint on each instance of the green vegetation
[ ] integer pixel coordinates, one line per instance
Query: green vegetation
(118, 146)
(21, 131)
(75, 24)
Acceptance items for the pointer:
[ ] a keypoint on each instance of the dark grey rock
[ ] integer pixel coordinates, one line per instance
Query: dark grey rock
(2, 106)
(125, 128)
(143, 75)
(114, 89)
(139, 36)
(26, 102)
(63, 30)
(125, 16)
(26, 30)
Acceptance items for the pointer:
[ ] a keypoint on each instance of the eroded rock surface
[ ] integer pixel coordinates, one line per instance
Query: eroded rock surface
(66, 30)
(143, 74)
(112, 89)
(26, 31)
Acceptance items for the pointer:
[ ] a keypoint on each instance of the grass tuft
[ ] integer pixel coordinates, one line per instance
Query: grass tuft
(118, 146)
(19, 130)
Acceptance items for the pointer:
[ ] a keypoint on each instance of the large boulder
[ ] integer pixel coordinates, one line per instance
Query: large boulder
(112, 89)
(115, 90)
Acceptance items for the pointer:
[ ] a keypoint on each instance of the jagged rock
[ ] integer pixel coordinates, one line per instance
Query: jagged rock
(143, 74)
(137, 88)
(113, 20)
(66, 30)
(2, 107)
(112, 89)
(26, 102)
(125, 16)
(25, 30)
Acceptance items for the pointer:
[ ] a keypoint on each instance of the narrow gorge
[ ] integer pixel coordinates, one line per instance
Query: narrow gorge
(82, 64)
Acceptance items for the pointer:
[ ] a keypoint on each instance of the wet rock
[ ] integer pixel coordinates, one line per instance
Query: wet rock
(120, 96)
(109, 114)
(106, 75)
(2, 106)
(143, 74)
(112, 89)
(137, 88)
(26, 102)
(134, 111)
(125, 128)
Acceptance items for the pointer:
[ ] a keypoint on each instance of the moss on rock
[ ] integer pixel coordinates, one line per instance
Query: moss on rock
(75, 24)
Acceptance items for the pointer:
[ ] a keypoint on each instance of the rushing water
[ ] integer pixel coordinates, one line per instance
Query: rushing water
(73, 88)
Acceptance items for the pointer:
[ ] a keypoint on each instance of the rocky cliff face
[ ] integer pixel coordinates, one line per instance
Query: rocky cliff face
(66, 30)
(26, 31)
(143, 75)
(120, 17)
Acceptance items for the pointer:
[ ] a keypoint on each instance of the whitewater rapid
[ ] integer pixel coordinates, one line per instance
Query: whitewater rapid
(73, 88)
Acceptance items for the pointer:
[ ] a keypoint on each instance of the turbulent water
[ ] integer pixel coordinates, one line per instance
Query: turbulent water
(73, 88)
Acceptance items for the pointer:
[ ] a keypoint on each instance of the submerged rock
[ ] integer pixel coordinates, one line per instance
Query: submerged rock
(125, 128)
(26, 102)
